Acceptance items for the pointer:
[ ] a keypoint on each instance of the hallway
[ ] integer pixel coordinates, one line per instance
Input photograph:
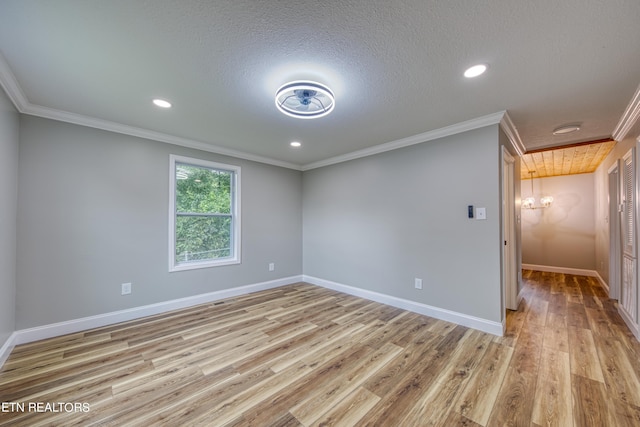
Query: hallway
(573, 351)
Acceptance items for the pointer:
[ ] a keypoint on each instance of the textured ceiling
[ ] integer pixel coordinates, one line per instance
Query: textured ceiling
(395, 67)
(582, 158)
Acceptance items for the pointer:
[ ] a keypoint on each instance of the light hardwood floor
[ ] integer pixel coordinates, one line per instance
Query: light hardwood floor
(303, 355)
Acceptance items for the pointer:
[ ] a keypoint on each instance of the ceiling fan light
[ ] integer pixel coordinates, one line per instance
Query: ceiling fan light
(305, 100)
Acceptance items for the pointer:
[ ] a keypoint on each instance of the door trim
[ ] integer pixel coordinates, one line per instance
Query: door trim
(615, 245)
(509, 265)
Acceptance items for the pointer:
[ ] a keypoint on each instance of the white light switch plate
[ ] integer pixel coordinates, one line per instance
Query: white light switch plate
(481, 213)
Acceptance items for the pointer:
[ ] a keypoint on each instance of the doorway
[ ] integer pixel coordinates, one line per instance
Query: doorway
(509, 265)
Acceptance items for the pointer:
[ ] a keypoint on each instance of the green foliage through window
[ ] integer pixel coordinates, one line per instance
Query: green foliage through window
(204, 213)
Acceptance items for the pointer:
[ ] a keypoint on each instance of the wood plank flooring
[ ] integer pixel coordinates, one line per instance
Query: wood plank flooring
(301, 355)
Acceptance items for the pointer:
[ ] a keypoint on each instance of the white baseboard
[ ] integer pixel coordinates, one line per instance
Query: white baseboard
(564, 270)
(567, 270)
(520, 296)
(24, 336)
(6, 348)
(71, 326)
(604, 284)
(633, 327)
(495, 328)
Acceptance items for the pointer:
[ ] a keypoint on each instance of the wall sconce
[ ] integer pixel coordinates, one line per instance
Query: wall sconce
(530, 202)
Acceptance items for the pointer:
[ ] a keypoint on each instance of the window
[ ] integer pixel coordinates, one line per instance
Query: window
(204, 214)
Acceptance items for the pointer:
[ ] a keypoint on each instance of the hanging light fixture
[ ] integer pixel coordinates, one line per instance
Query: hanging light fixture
(530, 202)
(305, 99)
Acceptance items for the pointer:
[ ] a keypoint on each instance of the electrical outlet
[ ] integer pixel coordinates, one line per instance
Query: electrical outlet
(272, 266)
(126, 288)
(418, 283)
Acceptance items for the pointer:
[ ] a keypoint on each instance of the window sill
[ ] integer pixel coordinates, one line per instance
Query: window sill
(199, 265)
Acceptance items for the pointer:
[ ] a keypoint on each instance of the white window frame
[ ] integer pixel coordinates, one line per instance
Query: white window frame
(235, 213)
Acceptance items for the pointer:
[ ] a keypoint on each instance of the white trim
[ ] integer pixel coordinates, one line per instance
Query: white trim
(6, 348)
(520, 295)
(629, 117)
(564, 270)
(604, 284)
(236, 232)
(15, 93)
(614, 166)
(508, 287)
(82, 120)
(633, 327)
(10, 84)
(480, 122)
(71, 326)
(78, 325)
(506, 124)
(567, 270)
(495, 328)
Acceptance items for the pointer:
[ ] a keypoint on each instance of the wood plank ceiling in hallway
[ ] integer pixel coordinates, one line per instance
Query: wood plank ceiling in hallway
(568, 160)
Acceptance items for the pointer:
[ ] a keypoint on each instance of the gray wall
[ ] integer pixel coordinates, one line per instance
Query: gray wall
(93, 213)
(9, 123)
(378, 222)
(563, 235)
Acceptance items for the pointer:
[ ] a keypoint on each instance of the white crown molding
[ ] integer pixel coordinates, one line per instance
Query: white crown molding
(506, 124)
(10, 85)
(79, 119)
(468, 125)
(629, 118)
(82, 120)
(22, 104)
(484, 325)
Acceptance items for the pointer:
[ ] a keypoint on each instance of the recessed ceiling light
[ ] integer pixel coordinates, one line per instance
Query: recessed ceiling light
(295, 144)
(162, 103)
(305, 100)
(564, 129)
(475, 71)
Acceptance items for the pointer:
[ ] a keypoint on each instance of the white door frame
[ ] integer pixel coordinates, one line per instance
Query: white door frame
(509, 265)
(615, 260)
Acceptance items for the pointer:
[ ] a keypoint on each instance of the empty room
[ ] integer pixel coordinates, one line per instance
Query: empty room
(297, 213)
